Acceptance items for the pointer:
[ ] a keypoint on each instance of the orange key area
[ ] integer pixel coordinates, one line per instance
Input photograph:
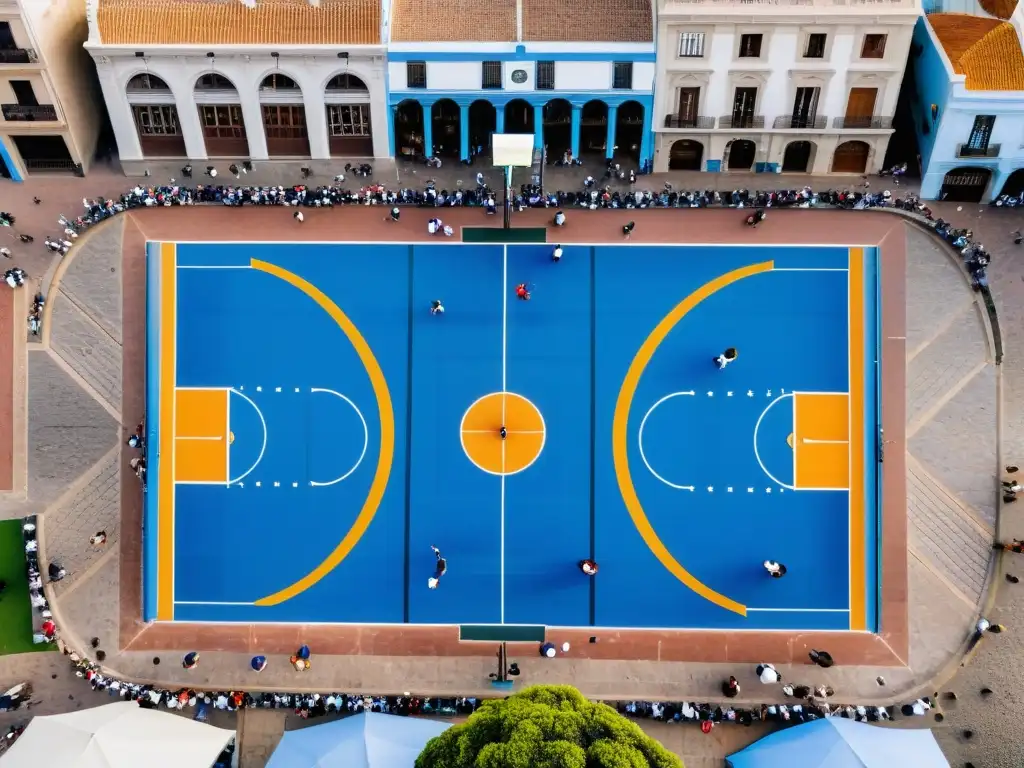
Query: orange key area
(822, 441)
(201, 432)
(481, 438)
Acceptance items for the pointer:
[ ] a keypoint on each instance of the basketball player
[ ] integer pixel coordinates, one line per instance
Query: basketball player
(556, 255)
(521, 293)
(627, 230)
(725, 358)
(503, 433)
(436, 307)
(588, 566)
(775, 570)
(439, 571)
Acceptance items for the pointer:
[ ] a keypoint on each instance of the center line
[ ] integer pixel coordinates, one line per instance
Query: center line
(504, 400)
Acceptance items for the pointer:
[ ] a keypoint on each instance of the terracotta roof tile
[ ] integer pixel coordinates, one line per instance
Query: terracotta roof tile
(230, 22)
(594, 21)
(1001, 9)
(986, 51)
(443, 21)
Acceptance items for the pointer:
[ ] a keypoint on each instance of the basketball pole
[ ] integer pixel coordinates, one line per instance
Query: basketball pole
(508, 197)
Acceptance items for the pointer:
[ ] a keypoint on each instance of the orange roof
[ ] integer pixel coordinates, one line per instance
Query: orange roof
(601, 21)
(445, 21)
(1001, 9)
(986, 51)
(230, 22)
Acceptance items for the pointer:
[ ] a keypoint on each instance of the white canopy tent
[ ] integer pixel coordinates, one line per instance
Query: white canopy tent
(120, 735)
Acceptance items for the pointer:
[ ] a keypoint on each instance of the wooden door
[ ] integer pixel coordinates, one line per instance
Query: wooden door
(861, 104)
(689, 98)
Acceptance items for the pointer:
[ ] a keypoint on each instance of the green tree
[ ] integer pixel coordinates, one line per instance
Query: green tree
(546, 726)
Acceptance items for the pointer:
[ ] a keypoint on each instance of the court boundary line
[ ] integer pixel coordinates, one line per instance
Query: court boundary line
(227, 437)
(451, 242)
(266, 438)
(577, 628)
(504, 401)
(849, 434)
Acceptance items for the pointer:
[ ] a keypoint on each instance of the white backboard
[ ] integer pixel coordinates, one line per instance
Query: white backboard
(513, 149)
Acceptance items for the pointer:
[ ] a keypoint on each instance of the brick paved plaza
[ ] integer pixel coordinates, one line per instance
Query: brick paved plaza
(965, 418)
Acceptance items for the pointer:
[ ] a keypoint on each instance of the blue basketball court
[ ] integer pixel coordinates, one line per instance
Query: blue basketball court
(312, 429)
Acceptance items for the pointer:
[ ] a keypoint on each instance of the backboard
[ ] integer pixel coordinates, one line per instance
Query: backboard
(513, 149)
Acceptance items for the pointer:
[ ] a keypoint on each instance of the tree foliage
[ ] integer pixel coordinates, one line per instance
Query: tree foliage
(546, 726)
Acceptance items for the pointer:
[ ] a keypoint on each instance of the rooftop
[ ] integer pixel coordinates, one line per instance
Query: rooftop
(443, 21)
(1001, 9)
(603, 21)
(494, 21)
(230, 22)
(986, 51)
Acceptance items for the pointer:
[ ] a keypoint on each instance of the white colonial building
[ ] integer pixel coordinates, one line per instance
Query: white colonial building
(803, 86)
(256, 80)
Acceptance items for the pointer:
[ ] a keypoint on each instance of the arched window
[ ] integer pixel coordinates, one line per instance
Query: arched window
(278, 82)
(214, 82)
(345, 82)
(147, 82)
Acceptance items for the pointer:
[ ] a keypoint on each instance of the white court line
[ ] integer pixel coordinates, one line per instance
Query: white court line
(214, 266)
(199, 389)
(794, 441)
(798, 610)
(447, 244)
(640, 440)
(201, 482)
(263, 448)
(504, 399)
(808, 269)
(824, 442)
(174, 427)
(366, 438)
(208, 602)
(757, 454)
(850, 479)
(802, 392)
(509, 431)
(197, 437)
(227, 428)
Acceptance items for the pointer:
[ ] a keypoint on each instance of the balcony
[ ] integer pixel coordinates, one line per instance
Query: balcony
(965, 151)
(17, 56)
(676, 121)
(20, 114)
(862, 123)
(796, 122)
(741, 121)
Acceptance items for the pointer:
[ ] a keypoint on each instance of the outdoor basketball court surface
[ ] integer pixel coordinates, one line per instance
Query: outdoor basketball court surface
(313, 429)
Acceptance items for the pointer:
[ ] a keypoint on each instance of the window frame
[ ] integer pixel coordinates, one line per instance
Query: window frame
(807, 46)
(864, 50)
(624, 69)
(491, 76)
(167, 122)
(688, 37)
(982, 127)
(336, 121)
(760, 45)
(419, 68)
(542, 77)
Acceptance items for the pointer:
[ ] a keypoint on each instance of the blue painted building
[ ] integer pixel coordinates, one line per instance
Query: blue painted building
(462, 70)
(968, 104)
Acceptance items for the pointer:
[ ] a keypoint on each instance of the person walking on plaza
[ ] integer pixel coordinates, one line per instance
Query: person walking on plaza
(775, 570)
(190, 660)
(822, 658)
(627, 230)
(726, 357)
(258, 663)
(588, 566)
(731, 688)
(767, 674)
(439, 571)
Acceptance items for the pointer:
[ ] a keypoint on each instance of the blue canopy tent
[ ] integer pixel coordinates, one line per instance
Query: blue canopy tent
(366, 740)
(837, 742)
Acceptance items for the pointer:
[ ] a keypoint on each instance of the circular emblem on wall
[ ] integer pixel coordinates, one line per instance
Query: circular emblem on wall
(519, 76)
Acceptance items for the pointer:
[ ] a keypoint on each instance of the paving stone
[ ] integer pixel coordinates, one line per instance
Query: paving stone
(940, 530)
(94, 507)
(68, 431)
(935, 285)
(91, 609)
(945, 362)
(87, 349)
(958, 445)
(92, 279)
(938, 624)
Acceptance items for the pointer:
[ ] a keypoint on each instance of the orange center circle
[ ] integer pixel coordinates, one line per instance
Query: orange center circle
(524, 433)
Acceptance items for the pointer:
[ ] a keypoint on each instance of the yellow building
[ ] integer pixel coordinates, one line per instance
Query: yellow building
(50, 114)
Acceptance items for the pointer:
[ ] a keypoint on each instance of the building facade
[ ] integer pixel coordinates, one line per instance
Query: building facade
(582, 83)
(802, 86)
(258, 80)
(49, 115)
(968, 103)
